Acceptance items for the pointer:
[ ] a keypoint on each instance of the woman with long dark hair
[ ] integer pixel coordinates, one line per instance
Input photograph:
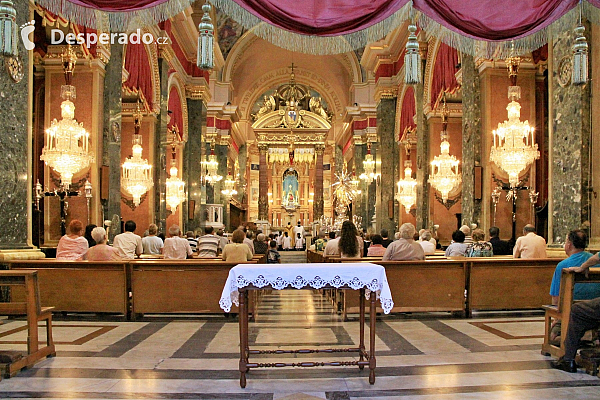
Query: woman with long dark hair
(350, 244)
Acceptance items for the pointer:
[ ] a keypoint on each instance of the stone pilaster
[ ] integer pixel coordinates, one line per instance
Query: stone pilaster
(339, 159)
(371, 196)
(192, 155)
(242, 161)
(318, 203)
(15, 179)
(263, 184)
(471, 144)
(112, 135)
(387, 212)
(569, 154)
(160, 151)
(221, 153)
(361, 204)
(423, 143)
(209, 187)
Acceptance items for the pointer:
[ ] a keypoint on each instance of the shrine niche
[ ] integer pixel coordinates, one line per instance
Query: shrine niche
(290, 198)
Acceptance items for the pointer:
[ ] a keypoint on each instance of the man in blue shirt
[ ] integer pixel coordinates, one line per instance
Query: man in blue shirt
(574, 247)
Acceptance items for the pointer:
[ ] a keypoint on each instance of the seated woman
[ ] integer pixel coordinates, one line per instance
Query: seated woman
(426, 244)
(237, 251)
(350, 244)
(72, 246)
(457, 248)
(479, 247)
(260, 246)
(101, 251)
(376, 248)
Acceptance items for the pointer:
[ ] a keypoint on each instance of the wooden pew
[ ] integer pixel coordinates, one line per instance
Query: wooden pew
(420, 286)
(508, 284)
(314, 256)
(562, 310)
(178, 286)
(81, 286)
(31, 307)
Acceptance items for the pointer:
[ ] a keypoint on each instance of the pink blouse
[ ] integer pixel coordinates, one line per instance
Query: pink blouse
(71, 249)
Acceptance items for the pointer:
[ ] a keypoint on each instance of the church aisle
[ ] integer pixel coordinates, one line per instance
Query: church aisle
(433, 357)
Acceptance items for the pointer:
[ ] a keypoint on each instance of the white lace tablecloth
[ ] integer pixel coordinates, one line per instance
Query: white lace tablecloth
(280, 276)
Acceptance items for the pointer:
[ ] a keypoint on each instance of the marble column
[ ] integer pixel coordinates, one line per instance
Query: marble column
(471, 144)
(209, 187)
(112, 136)
(160, 150)
(318, 204)
(387, 213)
(192, 170)
(423, 187)
(263, 184)
(15, 142)
(361, 203)
(569, 143)
(221, 152)
(371, 197)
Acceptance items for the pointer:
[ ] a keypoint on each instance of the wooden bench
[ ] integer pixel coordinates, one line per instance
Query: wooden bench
(27, 281)
(562, 310)
(182, 286)
(81, 286)
(508, 284)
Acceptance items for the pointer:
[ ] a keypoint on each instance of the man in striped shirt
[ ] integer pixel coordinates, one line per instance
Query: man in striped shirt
(192, 240)
(208, 245)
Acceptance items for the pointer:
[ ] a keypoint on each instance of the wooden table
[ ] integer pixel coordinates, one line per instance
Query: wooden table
(245, 278)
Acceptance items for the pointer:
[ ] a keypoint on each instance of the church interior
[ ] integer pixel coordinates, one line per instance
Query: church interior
(270, 115)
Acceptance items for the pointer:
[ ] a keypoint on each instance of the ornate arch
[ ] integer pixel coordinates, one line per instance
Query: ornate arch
(432, 50)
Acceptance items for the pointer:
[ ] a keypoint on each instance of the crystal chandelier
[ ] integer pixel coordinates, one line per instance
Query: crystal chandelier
(513, 148)
(407, 188)
(369, 166)
(229, 190)
(212, 167)
(66, 147)
(136, 177)
(354, 184)
(444, 168)
(175, 187)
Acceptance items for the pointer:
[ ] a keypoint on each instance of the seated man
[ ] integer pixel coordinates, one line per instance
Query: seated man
(500, 247)
(128, 244)
(331, 248)
(208, 245)
(176, 247)
(404, 248)
(530, 245)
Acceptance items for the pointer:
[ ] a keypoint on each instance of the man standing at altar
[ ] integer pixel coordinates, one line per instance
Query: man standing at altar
(299, 229)
(290, 232)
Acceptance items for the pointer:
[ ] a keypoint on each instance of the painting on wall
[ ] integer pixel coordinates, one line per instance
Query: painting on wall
(254, 195)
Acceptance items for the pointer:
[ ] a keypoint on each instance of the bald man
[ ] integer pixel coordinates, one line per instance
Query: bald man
(530, 245)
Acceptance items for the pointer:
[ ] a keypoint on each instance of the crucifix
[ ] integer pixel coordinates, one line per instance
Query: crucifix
(512, 195)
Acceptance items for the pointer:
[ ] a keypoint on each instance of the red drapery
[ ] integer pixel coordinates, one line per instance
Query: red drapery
(444, 70)
(118, 5)
(407, 112)
(176, 110)
(137, 63)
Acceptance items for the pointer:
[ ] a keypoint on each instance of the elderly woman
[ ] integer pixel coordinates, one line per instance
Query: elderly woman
(404, 248)
(480, 247)
(350, 244)
(260, 245)
(101, 251)
(176, 247)
(72, 246)
(237, 251)
(426, 244)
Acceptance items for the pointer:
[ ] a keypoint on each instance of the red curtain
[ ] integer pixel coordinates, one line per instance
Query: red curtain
(137, 63)
(444, 70)
(176, 110)
(407, 112)
(118, 5)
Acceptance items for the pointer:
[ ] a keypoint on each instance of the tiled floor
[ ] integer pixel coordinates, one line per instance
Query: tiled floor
(431, 357)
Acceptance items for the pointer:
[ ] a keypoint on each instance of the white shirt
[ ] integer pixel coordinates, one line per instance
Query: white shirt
(299, 243)
(287, 242)
(428, 247)
(250, 244)
(530, 246)
(331, 248)
(298, 230)
(128, 244)
(152, 244)
(177, 248)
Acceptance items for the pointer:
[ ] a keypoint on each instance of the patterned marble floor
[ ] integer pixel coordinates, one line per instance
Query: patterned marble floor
(418, 357)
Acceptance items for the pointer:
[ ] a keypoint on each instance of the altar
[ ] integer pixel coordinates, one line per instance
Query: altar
(369, 279)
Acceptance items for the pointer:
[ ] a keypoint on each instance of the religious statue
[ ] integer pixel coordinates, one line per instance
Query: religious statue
(316, 107)
(291, 200)
(267, 106)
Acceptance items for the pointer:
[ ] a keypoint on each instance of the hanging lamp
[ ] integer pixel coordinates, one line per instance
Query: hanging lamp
(136, 176)
(580, 54)
(8, 29)
(412, 58)
(175, 187)
(444, 168)
(206, 30)
(407, 187)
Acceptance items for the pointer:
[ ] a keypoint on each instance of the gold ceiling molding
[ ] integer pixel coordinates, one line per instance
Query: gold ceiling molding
(284, 138)
(281, 119)
(197, 92)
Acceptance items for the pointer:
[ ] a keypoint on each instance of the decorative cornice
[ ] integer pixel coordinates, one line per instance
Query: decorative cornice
(197, 92)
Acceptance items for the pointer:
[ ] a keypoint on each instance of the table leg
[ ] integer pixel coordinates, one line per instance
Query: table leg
(243, 324)
(362, 327)
(372, 362)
